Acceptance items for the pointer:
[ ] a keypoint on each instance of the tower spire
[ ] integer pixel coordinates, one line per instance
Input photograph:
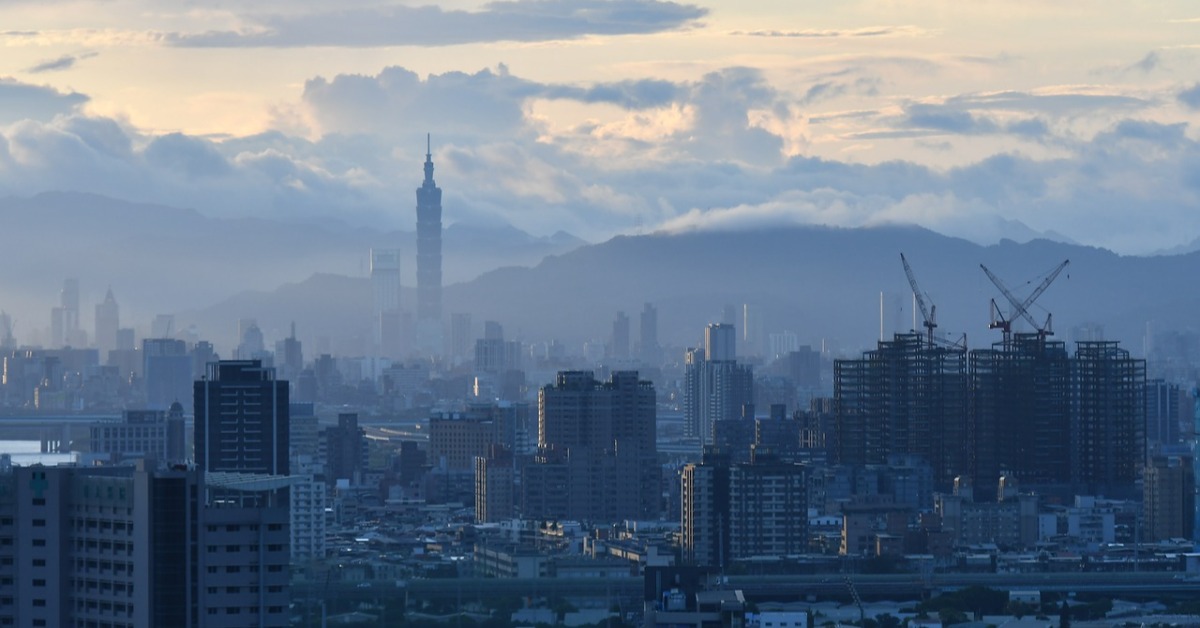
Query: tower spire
(428, 162)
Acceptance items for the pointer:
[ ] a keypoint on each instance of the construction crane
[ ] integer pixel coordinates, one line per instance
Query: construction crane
(928, 313)
(1021, 308)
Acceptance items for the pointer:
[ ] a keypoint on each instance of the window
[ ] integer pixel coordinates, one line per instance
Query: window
(39, 562)
(39, 523)
(39, 542)
(39, 603)
(39, 582)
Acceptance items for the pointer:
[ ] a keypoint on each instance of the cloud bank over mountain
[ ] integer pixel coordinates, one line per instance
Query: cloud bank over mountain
(678, 155)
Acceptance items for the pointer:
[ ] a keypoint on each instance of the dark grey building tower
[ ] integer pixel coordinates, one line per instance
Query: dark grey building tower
(429, 260)
(241, 419)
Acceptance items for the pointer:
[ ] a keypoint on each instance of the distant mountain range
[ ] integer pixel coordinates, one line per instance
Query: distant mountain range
(823, 284)
(162, 259)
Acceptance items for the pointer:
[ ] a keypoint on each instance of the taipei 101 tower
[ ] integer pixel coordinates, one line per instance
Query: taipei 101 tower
(429, 261)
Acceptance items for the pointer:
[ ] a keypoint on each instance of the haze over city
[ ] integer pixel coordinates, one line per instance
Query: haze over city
(620, 312)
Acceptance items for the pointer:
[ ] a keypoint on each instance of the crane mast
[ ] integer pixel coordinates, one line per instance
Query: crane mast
(928, 313)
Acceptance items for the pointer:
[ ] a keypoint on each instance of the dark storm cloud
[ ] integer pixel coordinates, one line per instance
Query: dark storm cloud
(396, 25)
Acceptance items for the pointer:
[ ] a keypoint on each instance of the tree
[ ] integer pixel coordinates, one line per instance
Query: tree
(1064, 615)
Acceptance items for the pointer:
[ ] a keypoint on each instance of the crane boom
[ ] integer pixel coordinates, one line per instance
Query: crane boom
(928, 314)
(1021, 308)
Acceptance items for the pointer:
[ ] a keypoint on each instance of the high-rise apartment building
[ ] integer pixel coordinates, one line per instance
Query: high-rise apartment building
(429, 261)
(1169, 496)
(599, 439)
(732, 510)
(494, 482)
(241, 419)
(109, 546)
(345, 447)
(715, 386)
(1166, 415)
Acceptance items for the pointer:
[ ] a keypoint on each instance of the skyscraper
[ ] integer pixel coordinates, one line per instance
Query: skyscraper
(385, 293)
(242, 419)
(618, 345)
(108, 320)
(64, 319)
(429, 261)
(650, 352)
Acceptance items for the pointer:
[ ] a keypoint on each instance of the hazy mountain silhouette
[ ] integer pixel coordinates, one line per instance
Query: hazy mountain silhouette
(824, 284)
(162, 259)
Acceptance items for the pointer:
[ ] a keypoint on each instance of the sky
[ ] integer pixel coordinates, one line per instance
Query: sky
(983, 119)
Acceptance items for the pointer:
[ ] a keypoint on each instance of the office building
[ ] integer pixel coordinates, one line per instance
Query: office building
(618, 342)
(108, 321)
(147, 434)
(167, 368)
(649, 349)
(64, 319)
(241, 419)
(456, 439)
(289, 357)
(460, 336)
(429, 261)
(386, 317)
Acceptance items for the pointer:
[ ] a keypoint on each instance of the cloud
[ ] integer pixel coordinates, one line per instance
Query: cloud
(717, 151)
(1190, 96)
(65, 62)
(947, 119)
(22, 101)
(399, 25)
(1146, 64)
(873, 31)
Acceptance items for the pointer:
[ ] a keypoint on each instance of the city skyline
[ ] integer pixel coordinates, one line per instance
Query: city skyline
(866, 112)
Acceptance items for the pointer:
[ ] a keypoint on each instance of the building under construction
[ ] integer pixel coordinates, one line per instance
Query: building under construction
(908, 396)
(1023, 409)
(1020, 420)
(1109, 414)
